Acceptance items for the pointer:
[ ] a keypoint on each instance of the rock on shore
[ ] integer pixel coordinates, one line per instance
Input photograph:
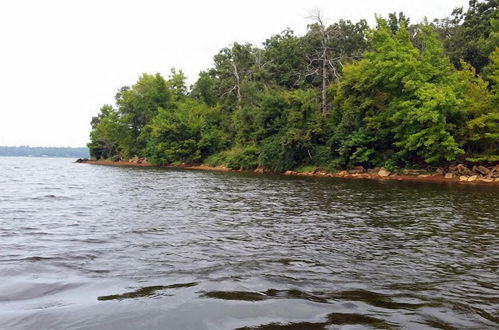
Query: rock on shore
(453, 173)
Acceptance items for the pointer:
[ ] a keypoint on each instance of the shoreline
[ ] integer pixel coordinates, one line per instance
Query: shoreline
(424, 177)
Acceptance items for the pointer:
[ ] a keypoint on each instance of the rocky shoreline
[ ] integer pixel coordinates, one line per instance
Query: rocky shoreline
(453, 174)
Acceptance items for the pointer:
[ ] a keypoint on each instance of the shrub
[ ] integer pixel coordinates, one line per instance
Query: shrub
(243, 159)
(276, 156)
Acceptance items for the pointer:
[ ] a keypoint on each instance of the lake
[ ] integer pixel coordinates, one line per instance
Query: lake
(100, 247)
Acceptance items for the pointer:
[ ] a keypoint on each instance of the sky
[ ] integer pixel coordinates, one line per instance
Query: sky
(60, 60)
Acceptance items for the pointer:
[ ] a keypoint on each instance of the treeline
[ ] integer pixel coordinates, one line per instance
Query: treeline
(44, 151)
(342, 95)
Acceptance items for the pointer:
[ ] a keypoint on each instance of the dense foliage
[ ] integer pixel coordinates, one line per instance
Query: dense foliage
(343, 95)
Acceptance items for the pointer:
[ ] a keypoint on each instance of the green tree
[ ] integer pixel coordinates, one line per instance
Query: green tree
(109, 135)
(466, 31)
(139, 104)
(204, 89)
(176, 84)
(398, 105)
(188, 134)
(481, 133)
(285, 60)
(288, 126)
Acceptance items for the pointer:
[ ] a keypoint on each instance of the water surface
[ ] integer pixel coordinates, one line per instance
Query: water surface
(95, 247)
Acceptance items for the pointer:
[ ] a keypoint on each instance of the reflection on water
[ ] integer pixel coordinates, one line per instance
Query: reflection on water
(93, 247)
(331, 319)
(148, 291)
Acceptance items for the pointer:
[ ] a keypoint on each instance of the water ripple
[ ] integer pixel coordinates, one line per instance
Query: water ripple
(98, 247)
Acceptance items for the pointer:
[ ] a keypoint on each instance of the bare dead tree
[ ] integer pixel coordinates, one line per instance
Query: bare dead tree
(259, 65)
(234, 71)
(238, 83)
(322, 62)
(241, 73)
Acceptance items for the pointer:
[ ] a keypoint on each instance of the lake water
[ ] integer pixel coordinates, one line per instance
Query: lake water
(96, 247)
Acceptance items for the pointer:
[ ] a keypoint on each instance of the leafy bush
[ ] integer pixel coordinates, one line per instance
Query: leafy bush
(276, 156)
(218, 159)
(321, 156)
(243, 159)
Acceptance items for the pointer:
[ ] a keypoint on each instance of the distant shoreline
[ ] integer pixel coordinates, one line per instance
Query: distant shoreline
(423, 177)
(37, 156)
(27, 151)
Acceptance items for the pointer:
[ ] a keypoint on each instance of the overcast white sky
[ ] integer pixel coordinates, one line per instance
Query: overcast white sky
(60, 60)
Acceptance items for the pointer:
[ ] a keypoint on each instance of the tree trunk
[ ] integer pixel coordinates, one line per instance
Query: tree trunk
(238, 86)
(324, 85)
